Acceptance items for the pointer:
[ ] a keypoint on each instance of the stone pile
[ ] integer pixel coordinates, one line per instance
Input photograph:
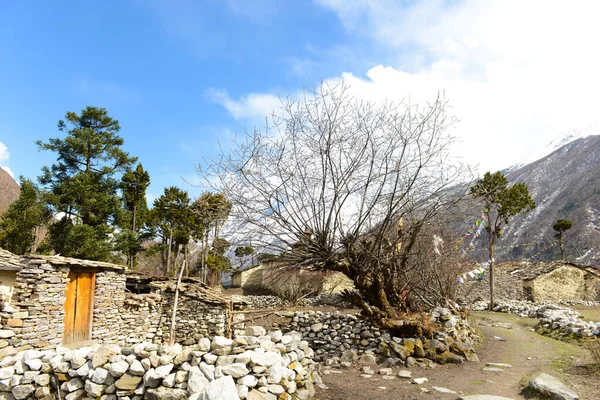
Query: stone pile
(326, 299)
(257, 366)
(262, 302)
(550, 315)
(259, 302)
(342, 339)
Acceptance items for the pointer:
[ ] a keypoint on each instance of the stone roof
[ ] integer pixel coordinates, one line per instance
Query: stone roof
(190, 287)
(60, 260)
(9, 261)
(528, 271)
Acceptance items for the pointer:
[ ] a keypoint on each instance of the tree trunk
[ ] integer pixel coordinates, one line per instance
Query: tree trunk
(175, 301)
(560, 243)
(491, 250)
(169, 249)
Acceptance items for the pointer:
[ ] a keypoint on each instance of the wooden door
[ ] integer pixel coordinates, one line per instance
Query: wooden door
(79, 307)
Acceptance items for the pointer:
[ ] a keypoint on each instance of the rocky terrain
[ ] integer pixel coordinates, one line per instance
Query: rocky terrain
(564, 184)
(9, 190)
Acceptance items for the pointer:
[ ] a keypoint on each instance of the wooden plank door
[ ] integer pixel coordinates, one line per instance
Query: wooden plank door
(79, 306)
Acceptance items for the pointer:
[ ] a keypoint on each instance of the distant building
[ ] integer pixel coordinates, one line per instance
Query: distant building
(555, 280)
(279, 274)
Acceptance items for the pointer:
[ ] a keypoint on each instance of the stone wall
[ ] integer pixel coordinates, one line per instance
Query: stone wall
(35, 317)
(147, 317)
(264, 366)
(252, 277)
(36, 313)
(507, 287)
(345, 338)
(564, 283)
(109, 300)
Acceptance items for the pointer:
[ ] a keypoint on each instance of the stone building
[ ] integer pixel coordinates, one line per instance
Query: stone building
(279, 275)
(555, 280)
(53, 300)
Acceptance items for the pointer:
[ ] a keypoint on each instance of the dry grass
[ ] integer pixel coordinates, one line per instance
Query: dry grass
(593, 346)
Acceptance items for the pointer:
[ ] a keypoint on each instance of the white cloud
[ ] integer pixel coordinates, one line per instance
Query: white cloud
(4, 157)
(517, 73)
(254, 105)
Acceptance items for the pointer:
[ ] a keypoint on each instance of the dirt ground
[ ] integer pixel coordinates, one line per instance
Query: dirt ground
(528, 352)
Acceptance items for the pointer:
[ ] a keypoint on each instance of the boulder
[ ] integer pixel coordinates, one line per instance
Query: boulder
(549, 386)
(221, 389)
(197, 382)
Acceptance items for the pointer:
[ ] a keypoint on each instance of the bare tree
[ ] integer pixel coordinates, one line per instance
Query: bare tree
(337, 183)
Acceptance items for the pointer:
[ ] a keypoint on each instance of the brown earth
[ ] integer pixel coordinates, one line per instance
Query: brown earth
(528, 352)
(9, 190)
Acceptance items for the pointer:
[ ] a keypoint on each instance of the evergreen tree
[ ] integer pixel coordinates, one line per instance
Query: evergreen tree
(172, 216)
(211, 210)
(134, 217)
(502, 202)
(82, 185)
(19, 225)
(560, 227)
(243, 251)
(217, 262)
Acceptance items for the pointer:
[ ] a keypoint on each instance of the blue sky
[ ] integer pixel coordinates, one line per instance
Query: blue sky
(181, 75)
(153, 65)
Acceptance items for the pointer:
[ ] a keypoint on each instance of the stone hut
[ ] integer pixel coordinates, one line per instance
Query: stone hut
(559, 280)
(57, 300)
(555, 280)
(280, 275)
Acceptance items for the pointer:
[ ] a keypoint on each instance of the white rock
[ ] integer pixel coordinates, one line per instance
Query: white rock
(420, 381)
(99, 375)
(443, 389)
(117, 369)
(547, 385)
(248, 380)
(255, 331)
(136, 368)
(208, 370)
(197, 382)
(221, 389)
(236, 370)
(93, 389)
(7, 372)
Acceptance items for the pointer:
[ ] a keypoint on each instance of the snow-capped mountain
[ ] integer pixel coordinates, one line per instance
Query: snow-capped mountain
(565, 184)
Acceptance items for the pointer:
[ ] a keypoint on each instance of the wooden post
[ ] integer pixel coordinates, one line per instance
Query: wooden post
(174, 315)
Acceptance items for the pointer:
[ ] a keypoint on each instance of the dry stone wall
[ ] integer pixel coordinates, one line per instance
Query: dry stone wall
(273, 366)
(506, 287)
(35, 316)
(344, 338)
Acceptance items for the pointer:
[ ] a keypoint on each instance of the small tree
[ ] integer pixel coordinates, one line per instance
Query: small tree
(243, 251)
(560, 227)
(18, 226)
(135, 214)
(502, 202)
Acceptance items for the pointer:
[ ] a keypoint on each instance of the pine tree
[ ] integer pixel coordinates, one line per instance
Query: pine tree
(19, 225)
(134, 217)
(502, 202)
(560, 227)
(82, 185)
(172, 217)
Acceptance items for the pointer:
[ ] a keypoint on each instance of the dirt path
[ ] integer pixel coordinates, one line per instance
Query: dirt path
(528, 352)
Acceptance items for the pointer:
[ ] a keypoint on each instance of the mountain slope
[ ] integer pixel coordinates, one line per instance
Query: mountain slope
(564, 184)
(9, 190)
